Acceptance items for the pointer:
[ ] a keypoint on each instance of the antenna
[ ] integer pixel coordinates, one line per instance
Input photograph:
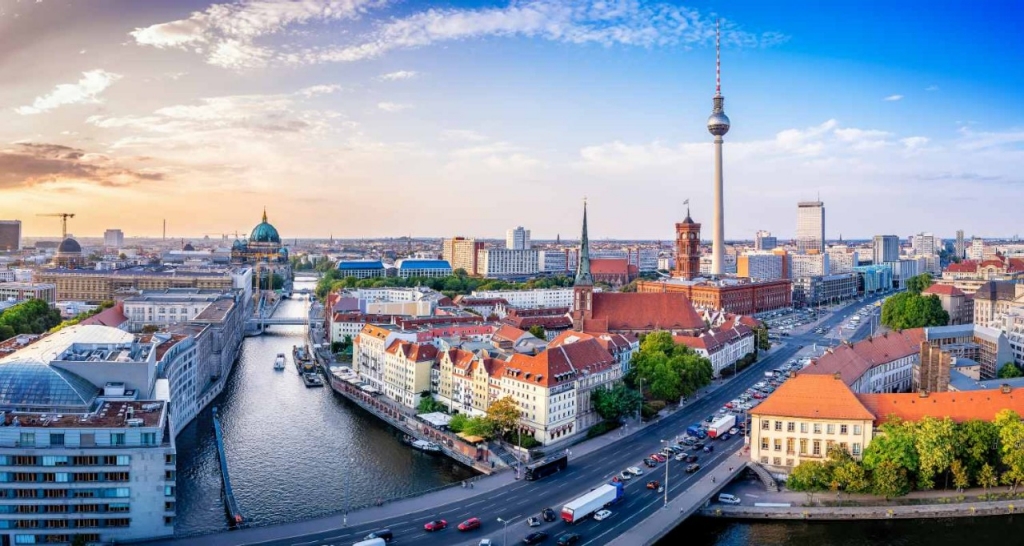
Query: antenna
(718, 57)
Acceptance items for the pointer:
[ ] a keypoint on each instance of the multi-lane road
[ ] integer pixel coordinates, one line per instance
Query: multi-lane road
(519, 500)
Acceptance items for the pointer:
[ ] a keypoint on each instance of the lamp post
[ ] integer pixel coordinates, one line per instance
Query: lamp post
(668, 460)
(504, 531)
(641, 388)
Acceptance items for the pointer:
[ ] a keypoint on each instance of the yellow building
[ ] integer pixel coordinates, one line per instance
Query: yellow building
(407, 371)
(805, 417)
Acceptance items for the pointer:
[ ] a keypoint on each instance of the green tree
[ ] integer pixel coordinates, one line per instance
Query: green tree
(1011, 447)
(763, 343)
(987, 477)
(961, 480)
(809, 477)
(889, 480)
(976, 444)
(932, 442)
(909, 310)
(428, 404)
(919, 283)
(895, 445)
(458, 423)
(479, 426)
(615, 403)
(504, 414)
(538, 331)
(669, 370)
(1009, 371)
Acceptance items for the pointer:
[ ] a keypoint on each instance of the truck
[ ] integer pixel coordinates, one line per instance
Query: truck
(584, 506)
(694, 430)
(722, 425)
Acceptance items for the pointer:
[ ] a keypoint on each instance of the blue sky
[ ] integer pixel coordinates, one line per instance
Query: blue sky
(378, 117)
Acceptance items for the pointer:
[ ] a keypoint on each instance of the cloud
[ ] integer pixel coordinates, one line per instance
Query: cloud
(914, 142)
(87, 90)
(29, 164)
(932, 88)
(226, 32)
(393, 106)
(466, 135)
(892, 98)
(400, 75)
(319, 90)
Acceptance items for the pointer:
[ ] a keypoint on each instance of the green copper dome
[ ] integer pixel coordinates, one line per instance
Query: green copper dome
(264, 232)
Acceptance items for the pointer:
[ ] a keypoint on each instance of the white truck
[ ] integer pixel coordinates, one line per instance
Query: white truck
(721, 425)
(581, 507)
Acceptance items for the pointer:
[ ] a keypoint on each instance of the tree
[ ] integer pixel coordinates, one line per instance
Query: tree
(895, 445)
(504, 413)
(428, 404)
(479, 426)
(615, 403)
(909, 310)
(670, 370)
(1011, 447)
(150, 329)
(458, 423)
(889, 480)
(763, 343)
(809, 477)
(538, 331)
(987, 477)
(1009, 371)
(976, 444)
(919, 283)
(960, 478)
(933, 440)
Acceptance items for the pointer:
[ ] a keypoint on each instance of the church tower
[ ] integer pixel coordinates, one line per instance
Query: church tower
(687, 248)
(583, 288)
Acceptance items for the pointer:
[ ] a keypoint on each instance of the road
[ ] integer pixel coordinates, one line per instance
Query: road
(519, 500)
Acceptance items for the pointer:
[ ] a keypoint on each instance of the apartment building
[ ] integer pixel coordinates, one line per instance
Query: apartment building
(370, 347)
(723, 346)
(503, 262)
(543, 297)
(407, 371)
(881, 364)
(103, 285)
(461, 253)
(165, 307)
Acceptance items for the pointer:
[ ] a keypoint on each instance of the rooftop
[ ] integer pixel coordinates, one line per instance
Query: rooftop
(216, 311)
(422, 264)
(360, 265)
(812, 396)
(958, 406)
(853, 361)
(142, 271)
(107, 415)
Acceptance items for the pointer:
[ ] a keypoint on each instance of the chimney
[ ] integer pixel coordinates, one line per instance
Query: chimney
(1004, 388)
(837, 376)
(922, 393)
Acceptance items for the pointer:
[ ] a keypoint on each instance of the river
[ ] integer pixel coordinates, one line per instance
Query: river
(293, 452)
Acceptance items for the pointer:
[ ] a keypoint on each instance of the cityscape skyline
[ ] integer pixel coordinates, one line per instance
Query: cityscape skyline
(302, 103)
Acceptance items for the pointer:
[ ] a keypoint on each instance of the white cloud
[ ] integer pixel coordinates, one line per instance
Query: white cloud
(399, 75)
(463, 135)
(393, 106)
(87, 90)
(892, 98)
(316, 90)
(932, 88)
(914, 142)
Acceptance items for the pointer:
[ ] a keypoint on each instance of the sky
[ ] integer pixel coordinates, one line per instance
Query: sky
(366, 118)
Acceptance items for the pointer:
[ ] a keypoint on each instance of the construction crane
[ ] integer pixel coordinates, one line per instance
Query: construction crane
(63, 222)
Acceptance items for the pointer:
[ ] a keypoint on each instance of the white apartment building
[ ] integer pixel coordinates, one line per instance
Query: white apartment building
(1012, 324)
(543, 297)
(553, 261)
(925, 244)
(517, 238)
(723, 347)
(496, 263)
(808, 265)
(977, 250)
(165, 307)
(407, 371)
(761, 265)
(841, 259)
(113, 238)
(729, 263)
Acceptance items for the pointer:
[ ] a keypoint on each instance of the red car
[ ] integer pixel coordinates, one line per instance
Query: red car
(470, 524)
(435, 525)
(658, 457)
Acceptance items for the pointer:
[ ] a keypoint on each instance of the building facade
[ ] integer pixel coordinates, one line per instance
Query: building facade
(113, 238)
(408, 268)
(500, 263)
(542, 297)
(407, 371)
(954, 301)
(461, 253)
(10, 235)
(96, 286)
(734, 296)
(762, 266)
(517, 238)
(810, 226)
(21, 291)
(822, 289)
(362, 269)
(885, 248)
(688, 252)
(763, 240)
(165, 307)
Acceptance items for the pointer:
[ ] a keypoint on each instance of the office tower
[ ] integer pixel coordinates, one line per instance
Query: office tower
(764, 241)
(960, 247)
(113, 238)
(10, 235)
(886, 249)
(925, 244)
(461, 253)
(810, 226)
(517, 239)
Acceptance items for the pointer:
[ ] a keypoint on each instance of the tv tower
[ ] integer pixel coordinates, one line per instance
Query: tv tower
(718, 125)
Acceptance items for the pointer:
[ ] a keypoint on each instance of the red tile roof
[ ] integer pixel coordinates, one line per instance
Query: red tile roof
(966, 266)
(609, 266)
(944, 290)
(958, 406)
(508, 333)
(715, 339)
(112, 317)
(813, 397)
(561, 363)
(617, 311)
(852, 362)
(416, 352)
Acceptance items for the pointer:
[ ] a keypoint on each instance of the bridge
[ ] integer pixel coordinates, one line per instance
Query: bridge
(591, 463)
(307, 274)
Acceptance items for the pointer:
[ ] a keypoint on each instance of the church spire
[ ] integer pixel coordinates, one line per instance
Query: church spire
(264, 215)
(583, 276)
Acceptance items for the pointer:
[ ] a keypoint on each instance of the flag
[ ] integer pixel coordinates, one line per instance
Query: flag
(687, 202)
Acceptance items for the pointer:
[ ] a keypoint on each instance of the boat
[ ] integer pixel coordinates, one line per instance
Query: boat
(423, 445)
(279, 362)
(312, 380)
(303, 359)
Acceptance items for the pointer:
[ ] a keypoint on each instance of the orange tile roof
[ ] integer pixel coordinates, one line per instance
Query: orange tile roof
(560, 364)
(851, 362)
(958, 406)
(416, 352)
(644, 311)
(113, 317)
(508, 333)
(966, 266)
(813, 397)
(944, 290)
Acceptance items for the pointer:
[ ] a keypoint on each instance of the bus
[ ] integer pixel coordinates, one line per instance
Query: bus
(546, 467)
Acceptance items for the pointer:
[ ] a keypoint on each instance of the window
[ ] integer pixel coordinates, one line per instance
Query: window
(117, 439)
(24, 539)
(778, 426)
(764, 424)
(57, 439)
(123, 460)
(817, 428)
(817, 448)
(803, 446)
(62, 477)
(27, 439)
(856, 449)
(844, 446)
(856, 429)
(791, 427)
(803, 428)
(789, 446)
(778, 444)
(830, 428)
(764, 444)
(764, 460)
(777, 461)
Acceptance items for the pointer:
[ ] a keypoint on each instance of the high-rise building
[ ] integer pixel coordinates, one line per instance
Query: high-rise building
(461, 253)
(977, 249)
(960, 247)
(761, 266)
(687, 248)
(113, 238)
(503, 262)
(925, 244)
(10, 235)
(764, 241)
(810, 226)
(809, 265)
(718, 125)
(517, 238)
(841, 259)
(886, 249)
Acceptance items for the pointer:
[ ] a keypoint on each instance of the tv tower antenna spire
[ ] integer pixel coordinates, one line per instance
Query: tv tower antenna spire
(718, 58)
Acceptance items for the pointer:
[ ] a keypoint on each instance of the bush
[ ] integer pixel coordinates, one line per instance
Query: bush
(602, 428)
(648, 411)
(458, 423)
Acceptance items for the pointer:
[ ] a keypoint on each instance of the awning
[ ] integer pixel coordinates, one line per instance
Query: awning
(470, 438)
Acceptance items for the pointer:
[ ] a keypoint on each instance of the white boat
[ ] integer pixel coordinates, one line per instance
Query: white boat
(279, 362)
(425, 446)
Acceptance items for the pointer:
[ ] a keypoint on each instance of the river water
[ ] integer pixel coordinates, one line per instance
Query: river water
(293, 452)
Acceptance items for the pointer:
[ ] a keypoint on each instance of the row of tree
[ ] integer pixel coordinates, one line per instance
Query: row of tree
(29, 317)
(923, 455)
(458, 283)
(911, 309)
(666, 370)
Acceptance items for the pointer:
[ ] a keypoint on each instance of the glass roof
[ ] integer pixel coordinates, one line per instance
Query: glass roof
(34, 384)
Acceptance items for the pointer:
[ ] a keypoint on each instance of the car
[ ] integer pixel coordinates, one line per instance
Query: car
(634, 471)
(602, 515)
(698, 445)
(709, 419)
(548, 514)
(533, 521)
(384, 534)
(535, 538)
(734, 431)
(682, 456)
(650, 463)
(689, 440)
(758, 396)
(485, 542)
(724, 437)
(690, 469)
(470, 524)
(435, 525)
(568, 539)
(709, 449)
(691, 458)
(726, 498)
(659, 457)
(625, 475)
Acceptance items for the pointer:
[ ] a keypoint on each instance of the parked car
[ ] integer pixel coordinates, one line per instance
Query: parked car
(602, 515)
(690, 469)
(625, 475)
(709, 449)
(734, 431)
(691, 459)
(634, 471)
(470, 524)
(698, 445)
(568, 539)
(650, 463)
(682, 456)
(533, 521)
(726, 498)
(535, 538)
(549, 515)
(485, 542)
(435, 525)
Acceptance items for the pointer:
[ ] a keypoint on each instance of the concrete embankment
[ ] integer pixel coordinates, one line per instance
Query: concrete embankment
(963, 509)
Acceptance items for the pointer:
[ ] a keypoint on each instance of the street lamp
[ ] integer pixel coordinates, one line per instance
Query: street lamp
(504, 532)
(641, 388)
(668, 460)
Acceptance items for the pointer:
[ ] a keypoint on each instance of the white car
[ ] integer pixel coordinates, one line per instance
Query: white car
(602, 515)
(635, 470)
(734, 431)
(625, 475)
(681, 457)
(485, 542)
(726, 498)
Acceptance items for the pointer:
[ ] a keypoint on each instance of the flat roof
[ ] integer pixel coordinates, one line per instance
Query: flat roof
(108, 415)
(49, 348)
